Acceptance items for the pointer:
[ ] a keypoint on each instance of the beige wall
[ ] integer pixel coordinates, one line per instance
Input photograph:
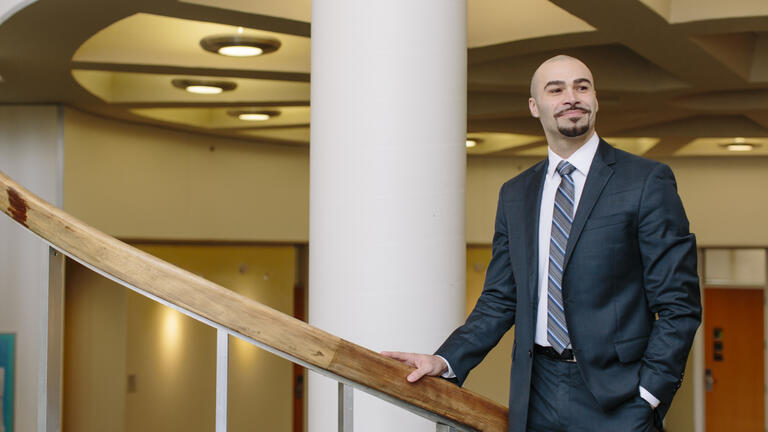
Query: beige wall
(724, 197)
(680, 415)
(113, 334)
(172, 359)
(485, 175)
(94, 353)
(491, 377)
(260, 384)
(144, 182)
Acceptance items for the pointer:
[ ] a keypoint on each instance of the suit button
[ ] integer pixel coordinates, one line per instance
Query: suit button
(530, 354)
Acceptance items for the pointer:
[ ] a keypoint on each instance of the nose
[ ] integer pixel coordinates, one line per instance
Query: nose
(570, 95)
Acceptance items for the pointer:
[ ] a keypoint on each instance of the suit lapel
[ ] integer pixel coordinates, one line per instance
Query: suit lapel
(599, 173)
(531, 212)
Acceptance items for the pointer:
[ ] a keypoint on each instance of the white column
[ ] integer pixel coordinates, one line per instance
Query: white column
(387, 182)
(31, 153)
(9, 7)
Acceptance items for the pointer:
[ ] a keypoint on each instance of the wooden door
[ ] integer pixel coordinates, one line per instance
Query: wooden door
(733, 326)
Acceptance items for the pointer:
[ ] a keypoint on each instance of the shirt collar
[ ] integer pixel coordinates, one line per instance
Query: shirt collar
(581, 159)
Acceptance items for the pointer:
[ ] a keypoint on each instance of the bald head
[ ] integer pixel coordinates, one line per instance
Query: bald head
(564, 99)
(553, 63)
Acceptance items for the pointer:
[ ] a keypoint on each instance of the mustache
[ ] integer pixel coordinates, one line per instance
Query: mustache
(572, 108)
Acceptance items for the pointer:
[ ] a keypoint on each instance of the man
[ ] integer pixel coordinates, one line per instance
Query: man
(594, 265)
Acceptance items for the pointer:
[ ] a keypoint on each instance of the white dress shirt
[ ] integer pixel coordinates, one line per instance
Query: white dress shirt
(581, 159)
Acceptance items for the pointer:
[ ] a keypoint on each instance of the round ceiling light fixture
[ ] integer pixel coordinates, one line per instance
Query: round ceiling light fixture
(473, 142)
(253, 114)
(239, 45)
(198, 86)
(740, 145)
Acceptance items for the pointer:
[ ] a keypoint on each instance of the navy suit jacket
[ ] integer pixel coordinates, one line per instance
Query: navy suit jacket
(630, 284)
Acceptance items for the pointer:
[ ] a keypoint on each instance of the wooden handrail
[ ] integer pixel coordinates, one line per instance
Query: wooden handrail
(245, 316)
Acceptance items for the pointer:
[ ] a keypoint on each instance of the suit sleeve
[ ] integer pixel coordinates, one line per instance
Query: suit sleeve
(494, 312)
(671, 281)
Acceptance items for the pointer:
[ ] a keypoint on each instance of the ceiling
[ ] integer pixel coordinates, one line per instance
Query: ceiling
(674, 77)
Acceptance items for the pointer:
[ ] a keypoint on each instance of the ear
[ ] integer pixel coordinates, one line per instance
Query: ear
(597, 105)
(532, 106)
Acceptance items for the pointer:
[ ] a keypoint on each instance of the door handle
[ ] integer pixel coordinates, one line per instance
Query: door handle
(709, 381)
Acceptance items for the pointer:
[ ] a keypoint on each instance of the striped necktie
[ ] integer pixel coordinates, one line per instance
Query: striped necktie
(562, 218)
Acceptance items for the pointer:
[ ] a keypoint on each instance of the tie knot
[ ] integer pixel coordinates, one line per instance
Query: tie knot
(564, 168)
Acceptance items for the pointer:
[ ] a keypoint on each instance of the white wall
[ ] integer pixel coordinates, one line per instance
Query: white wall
(30, 154)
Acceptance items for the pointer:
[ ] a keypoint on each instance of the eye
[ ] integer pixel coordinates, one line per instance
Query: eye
(555, 90)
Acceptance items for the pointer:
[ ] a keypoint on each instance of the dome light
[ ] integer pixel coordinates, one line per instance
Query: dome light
(239, 45)
(205, 87)
(240, 51)
(740, 144)
(740, 147)
(253, 114)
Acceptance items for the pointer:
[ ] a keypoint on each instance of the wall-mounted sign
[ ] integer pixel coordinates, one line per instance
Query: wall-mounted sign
(717, 342)
(7, 368)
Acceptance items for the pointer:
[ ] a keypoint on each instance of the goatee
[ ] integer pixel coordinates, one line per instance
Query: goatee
(574, 130)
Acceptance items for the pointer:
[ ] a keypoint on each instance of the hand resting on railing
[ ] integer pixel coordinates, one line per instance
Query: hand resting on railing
(425, 364)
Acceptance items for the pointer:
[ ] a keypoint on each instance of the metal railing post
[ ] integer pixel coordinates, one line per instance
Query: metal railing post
(345, 407)
(444, 428)
(222, 376)
(49, 414)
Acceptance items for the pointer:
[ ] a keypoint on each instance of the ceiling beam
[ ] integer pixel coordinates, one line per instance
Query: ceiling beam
(182, 70)
(641, 29)
(535, 45)
(198, 12)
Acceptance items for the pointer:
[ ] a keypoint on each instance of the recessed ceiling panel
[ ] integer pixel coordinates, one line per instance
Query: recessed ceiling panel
(737, 101)
(219, 118)
(300, 10)
(661, 7)
(716, 147)
(615, 68)
(494, 142)
(288, 134)
(759, 71)
(487, 104)
(158, 40)
(491, 22)
(734, 50)
(709, 126)
(130, 87)
(540, 151)
(634, 145)
(759, 117)
(698, 10)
